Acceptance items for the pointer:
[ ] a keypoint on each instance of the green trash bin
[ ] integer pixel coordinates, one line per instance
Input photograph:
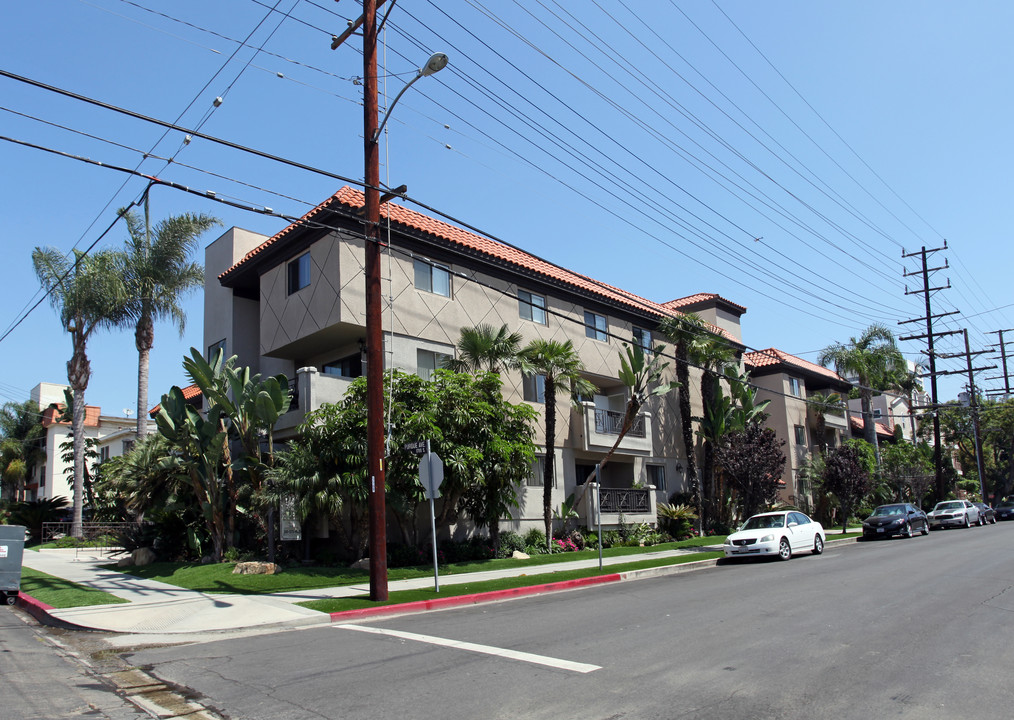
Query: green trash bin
(12, 548)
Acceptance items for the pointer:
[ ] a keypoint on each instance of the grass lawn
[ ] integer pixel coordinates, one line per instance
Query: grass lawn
(219, 578)
(60, 593)
(404, 596)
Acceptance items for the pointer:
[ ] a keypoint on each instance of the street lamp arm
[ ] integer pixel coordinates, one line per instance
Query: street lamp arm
(383, 123)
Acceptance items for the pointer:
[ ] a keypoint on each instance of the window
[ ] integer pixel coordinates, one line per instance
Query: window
(128, 445)
(103, 453)
(656, 476)
(795, 387)
(42, 477)
(800, 435)
(582, 472)
(642, 337)
(347, 367)
(432, 278)
(537, 476)
(533, 388)
(876, 413)
(595, 326)
(532, 307)
(215, 347)
(427, 361)
(299, 273)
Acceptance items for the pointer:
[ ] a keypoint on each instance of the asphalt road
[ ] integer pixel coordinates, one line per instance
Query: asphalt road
(905, 628)
(40, 681)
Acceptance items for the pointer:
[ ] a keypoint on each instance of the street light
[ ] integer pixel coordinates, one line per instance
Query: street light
(374, 329)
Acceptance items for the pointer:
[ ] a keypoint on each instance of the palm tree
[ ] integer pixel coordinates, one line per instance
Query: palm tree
(20, 447)
(686, 331)
(873, 359)
(87, 292)
(484, 348)
(158, 274)
(561, 367)
(823, 404)
(714, 356)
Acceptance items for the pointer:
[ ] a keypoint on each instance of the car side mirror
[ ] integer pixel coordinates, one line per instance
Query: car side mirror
(793, 524)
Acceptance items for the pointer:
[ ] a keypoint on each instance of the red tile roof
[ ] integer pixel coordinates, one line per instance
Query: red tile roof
(773, 356)
(353, 200)
(51, 415)
(857, 424)
(698, 298)
(190, 393)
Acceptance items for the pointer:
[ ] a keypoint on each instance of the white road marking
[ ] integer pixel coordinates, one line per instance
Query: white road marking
(473, 647)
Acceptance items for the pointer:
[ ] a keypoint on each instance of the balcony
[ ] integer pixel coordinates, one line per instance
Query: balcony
(595, 430)
(635, 505)
(309, 390)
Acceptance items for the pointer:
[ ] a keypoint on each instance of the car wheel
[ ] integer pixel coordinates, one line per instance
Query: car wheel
(818, 545)
(784, 550)
(11, 599)
(967, 523)
(907, 530)
(925, 529)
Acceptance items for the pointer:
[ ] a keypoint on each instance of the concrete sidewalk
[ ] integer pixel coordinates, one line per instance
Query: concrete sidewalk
(156, 609)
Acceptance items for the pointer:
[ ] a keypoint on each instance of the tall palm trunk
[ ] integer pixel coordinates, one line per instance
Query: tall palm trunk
(547, 476)
(144, 340)
(708, 503)
(78, 373)
(687, 429)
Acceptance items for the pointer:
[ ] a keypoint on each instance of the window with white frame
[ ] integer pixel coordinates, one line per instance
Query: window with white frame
(432, 278)
(533, 388)
(299, 273)
(877, 414)
(532, 307)
(800, 432)
(427, 361)
(656, 476)
(795, 387)
(595, 326)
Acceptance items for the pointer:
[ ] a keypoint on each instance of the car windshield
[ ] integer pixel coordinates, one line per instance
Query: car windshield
(1007, 503)
(953, 505)
(762, 522)
(890, 510)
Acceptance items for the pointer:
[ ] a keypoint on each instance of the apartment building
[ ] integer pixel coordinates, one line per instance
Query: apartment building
(788, 382)
(295, 304)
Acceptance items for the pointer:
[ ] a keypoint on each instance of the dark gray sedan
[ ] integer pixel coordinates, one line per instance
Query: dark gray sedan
(897, 519)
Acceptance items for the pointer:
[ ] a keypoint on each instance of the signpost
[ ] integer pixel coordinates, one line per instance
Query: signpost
(431, 474)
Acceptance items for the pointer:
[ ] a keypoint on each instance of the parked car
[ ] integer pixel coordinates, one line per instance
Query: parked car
(956, 513)
(1005, 510)
(776, 534)
(986, 514)
(897, 519)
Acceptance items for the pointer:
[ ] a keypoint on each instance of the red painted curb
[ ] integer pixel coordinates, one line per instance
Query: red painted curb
(474, 598)
(36, 608)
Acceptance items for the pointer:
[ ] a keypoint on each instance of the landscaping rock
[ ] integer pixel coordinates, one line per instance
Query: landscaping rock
(125, 562)
(256, 568)
(142, 557)
(518, 555)
(363, 564)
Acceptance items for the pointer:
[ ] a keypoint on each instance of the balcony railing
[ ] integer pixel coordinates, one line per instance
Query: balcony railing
(607, 421)
(625, 500)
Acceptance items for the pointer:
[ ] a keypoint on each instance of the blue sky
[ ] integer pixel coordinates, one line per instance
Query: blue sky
(783, 154)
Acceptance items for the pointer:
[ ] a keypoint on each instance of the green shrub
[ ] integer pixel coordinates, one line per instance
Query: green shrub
(509, 542)
(535, 537)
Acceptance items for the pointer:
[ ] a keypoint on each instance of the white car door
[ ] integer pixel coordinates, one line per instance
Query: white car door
(802, 532)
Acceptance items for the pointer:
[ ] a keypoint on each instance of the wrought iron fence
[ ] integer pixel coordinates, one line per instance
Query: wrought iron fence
(94, 535)
(608, 421)
(624, 500)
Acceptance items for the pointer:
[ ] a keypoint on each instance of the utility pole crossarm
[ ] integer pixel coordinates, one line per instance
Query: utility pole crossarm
(934, 317)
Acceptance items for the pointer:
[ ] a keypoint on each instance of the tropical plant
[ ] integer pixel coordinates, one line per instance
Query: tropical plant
(484, 348)
(158, 273)
(874, 360)
(822, 404)
(34, 513)
(676, 519)
(21, 433)
(561, 366)
(686, 331)
(87, 291)
(714, 356)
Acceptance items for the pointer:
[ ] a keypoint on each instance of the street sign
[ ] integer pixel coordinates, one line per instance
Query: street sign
(291, 529)
(417, 448)
(431, 474)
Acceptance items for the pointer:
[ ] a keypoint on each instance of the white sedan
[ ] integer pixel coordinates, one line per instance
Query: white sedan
(959, 513)
(776, 533)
